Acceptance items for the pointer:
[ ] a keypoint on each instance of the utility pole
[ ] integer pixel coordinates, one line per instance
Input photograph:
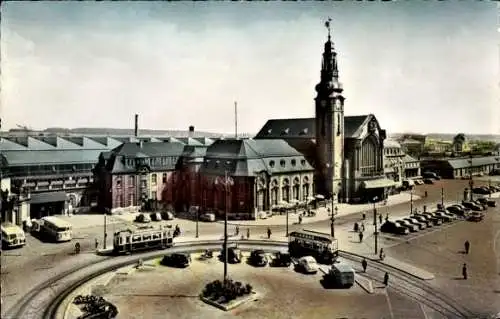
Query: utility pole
(105, 235)
(332, 220)
(411, 202)
(442, 197)
(489, 187)
(197, 220)
(375, 224)
(471, 181)
(287, 223)
(227, 182)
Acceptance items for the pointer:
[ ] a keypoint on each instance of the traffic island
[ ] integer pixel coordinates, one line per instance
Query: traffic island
(227, 295)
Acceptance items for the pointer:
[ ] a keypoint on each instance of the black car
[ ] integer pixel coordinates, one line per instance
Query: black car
(282, 260)
(482, 200)
(472, 206)
(233, 255)
(428, 181)
(481, 191)
(436, 221)
(491, 203)
(258, 258)
(391, 227)
(456, 211)
(176, 260)
(480, 204)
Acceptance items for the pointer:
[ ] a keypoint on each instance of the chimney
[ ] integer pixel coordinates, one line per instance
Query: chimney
(136, 125)
(191, 131)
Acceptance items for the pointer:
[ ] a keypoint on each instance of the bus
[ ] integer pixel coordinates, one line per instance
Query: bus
(321, 246)
(12, 236)
(55, 228)
(142, 238)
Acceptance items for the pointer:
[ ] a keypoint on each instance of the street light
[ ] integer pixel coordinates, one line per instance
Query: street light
(226, 183)
(411, 202)
(471, 181)
(105, 223)
(334, 213)
(489, 187)
(375, 224)
(442, 197)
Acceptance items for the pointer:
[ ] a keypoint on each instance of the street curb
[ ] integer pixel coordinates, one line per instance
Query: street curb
(254, 295)
(364, 283)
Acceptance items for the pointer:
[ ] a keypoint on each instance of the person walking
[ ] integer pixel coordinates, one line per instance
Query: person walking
(425, 193)
(364, 216)
(386, 279)
(268, 233)
(464, 271)
(96, 243)
(300, 219)
(380, 218)
(360, 237)
(382, 254)
(387, 217)
(362, 227)
(467, 247)
(364, 263)
(248, 233)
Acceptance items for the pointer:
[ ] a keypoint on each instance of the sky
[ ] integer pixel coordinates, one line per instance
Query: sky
(419, 66)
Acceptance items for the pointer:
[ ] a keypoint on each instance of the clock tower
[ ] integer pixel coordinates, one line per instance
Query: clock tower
(329, 123)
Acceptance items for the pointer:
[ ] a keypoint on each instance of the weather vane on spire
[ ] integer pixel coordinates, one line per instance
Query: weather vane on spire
(327, 25)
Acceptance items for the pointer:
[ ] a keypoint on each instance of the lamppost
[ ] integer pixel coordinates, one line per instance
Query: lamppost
(105, 223)
(226, 183)
(334, 213)
(375, 224)
(442, 197)
(411, 202)
(471, 181)
(489, 187)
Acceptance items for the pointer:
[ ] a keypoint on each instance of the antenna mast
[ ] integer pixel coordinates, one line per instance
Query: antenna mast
(235, 120)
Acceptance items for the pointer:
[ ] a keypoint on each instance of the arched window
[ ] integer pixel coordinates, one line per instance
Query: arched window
(369, 156)
(296, 188)
(285, 190)
(274, 192)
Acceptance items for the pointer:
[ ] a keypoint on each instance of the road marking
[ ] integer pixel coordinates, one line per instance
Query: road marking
(423, 311)
(389, 304)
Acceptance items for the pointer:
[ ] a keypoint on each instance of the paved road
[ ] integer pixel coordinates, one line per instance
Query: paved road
(38, 259)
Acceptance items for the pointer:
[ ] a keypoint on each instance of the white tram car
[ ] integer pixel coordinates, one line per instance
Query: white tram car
(142, 238)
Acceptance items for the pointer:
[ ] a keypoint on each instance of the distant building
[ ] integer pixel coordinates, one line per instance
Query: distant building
(461, 167)
(412, 147)
(394, 162)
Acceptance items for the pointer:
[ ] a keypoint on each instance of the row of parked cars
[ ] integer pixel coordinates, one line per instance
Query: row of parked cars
(466, 211)
(486, 190)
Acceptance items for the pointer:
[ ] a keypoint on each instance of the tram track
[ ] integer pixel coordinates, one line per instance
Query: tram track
(45, 300)
(408, 284)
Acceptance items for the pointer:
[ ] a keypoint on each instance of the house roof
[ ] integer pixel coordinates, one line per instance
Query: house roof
(305, 127)
(46, 157)
(476, 161)
(391, 143)
(249, 157)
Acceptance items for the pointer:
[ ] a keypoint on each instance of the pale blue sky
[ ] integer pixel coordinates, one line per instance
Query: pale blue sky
(419, 66)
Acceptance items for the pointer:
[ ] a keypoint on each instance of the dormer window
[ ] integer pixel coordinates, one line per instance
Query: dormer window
(285, 131)
(303, 162)
(282, 163)
(294, 162)
(271, 163)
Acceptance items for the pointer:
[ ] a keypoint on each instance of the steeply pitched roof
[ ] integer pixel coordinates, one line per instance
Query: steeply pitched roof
(305, 127)
(250, 157)
(46, 157)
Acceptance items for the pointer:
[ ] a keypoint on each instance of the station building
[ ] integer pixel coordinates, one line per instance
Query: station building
(461, 167)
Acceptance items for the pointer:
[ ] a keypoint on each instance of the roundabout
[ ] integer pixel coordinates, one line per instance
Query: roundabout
(164, 288)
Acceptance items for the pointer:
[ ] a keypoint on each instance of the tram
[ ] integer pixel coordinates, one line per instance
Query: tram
(323, 247)
(140, 238)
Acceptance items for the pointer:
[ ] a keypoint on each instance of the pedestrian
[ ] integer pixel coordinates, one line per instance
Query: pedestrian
(464, 271)
(425, 193)
(360, 237)
(380, 218)
(387, 217)
(386, 279)
(356, 227)
(96, 243)
(467, 247)
(362, 227)
(382, 254)
(248, 233)
(268, 233)
(364, 263)
(300, 219)
(364, 216)
(329, 211)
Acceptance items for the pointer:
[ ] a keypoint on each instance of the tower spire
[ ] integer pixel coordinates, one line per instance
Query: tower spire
(329, 69)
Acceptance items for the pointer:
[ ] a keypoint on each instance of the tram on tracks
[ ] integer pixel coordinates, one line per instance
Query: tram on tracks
(323, 247)
(139, 238)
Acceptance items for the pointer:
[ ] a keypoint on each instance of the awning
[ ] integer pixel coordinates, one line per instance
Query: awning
(378, 183)
(48, 197)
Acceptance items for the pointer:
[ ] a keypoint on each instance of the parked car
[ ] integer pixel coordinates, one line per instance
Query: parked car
(445, 217)
(472, 206)
(167, 215)
(391, 227)
(282, 259)
(176, 260)
(258, 258)
(414, 221)
(142, 218)
(434, 219)
(430, 175)
(456, 211)
(478, 203)
(419, 182)
(234, 255)
(482, 200)
(481, 191)
(407, 224)
(428, 181)
(341, 275)
(155, 217)
(207, 217)
(475, 217)
(428, 223)
(307, 265)
(491, 203)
